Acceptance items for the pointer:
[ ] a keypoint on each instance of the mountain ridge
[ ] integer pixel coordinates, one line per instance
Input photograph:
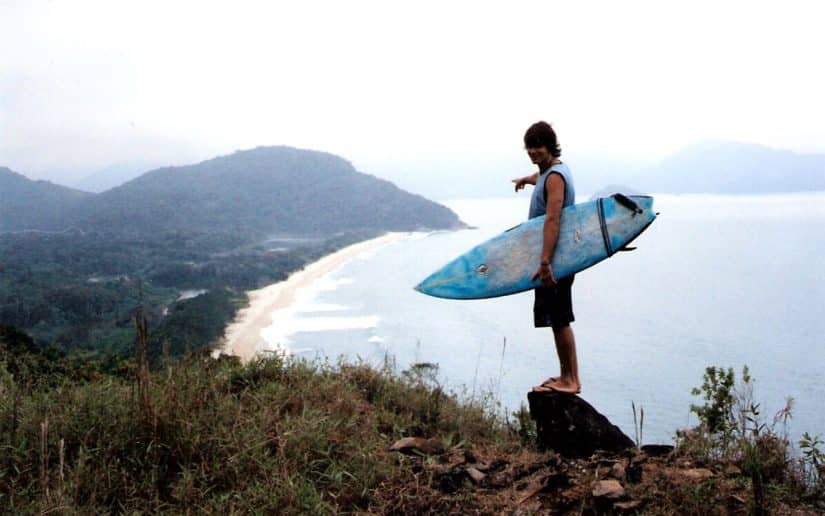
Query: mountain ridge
(710, 166)
(257, 191)
(725, 167)
(35, 204)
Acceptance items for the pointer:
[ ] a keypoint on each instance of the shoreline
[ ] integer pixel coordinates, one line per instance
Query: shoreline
(242, 337)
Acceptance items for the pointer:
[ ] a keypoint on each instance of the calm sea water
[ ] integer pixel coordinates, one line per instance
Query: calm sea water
(716, 280)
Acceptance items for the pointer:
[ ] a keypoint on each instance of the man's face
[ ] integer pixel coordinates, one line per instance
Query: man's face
(539, 155)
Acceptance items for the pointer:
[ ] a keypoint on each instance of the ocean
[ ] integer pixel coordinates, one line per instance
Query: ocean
(716, 281)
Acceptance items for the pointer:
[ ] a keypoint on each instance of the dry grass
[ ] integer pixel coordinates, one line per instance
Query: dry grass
(214, 436)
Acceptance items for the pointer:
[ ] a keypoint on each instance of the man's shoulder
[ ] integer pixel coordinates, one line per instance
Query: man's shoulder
(559, 170)
(555, 181)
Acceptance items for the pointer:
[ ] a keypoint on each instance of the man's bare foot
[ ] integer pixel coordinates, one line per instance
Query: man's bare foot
(566, 386)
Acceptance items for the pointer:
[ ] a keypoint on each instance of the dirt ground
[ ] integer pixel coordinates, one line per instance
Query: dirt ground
(654, 481)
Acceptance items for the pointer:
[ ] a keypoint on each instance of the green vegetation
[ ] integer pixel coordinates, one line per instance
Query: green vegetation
(214, 436)
(193, 322)
(35, 205)
(87, 426)
(252, 194)
(208, 436)
(732, 429)
(78, 292)
(74, 270)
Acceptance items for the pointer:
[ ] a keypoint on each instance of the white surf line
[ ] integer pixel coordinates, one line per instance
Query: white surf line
(242, 337)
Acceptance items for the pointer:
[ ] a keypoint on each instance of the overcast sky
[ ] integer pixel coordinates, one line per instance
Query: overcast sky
(430, 88)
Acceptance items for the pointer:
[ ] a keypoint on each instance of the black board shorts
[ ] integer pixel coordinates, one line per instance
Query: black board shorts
(553, 306)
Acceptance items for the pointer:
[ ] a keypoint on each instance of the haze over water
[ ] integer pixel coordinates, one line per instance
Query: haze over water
(716, 280)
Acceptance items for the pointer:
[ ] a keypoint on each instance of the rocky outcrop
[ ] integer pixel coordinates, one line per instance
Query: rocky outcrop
(572, 427)
(522, 481)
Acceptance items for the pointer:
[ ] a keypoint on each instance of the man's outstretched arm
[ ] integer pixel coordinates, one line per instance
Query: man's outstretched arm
(526, 180)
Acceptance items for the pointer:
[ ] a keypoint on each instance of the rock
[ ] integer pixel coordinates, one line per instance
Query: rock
(697, 474)
(552, 481)
(736, 500)
(418, 446)
(609, 489)
(487, 468)
(572, 427)
(617, 471)
(630, 505)
(731, 470)
(475, 475)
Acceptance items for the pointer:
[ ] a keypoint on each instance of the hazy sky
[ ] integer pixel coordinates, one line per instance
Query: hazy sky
(425, 88)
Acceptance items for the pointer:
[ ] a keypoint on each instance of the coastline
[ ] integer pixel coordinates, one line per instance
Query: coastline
(242, 337)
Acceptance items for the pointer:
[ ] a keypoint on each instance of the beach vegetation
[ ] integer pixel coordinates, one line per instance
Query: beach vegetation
(78, 293)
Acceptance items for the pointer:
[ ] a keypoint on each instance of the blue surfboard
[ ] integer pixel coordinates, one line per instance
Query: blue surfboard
(588, 233)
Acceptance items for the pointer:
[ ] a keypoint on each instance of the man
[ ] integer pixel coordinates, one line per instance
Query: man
(553, 304)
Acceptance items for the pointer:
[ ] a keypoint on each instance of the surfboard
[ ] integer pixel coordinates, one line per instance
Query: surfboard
(588, 233)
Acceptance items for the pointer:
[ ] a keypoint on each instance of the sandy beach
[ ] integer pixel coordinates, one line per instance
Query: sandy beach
(242, 337)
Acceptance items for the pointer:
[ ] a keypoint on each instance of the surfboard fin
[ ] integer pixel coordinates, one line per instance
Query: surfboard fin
(627, 248)
(627, 202)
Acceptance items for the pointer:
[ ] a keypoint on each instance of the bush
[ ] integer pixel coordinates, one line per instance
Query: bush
(732, 429)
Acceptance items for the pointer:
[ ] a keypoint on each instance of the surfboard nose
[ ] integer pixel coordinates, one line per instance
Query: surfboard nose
(444, 291)
(448, 282)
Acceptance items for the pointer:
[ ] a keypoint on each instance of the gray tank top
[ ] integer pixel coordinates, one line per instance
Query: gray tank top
(538, 203)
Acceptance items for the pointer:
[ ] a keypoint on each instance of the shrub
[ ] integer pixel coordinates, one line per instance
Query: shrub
(732, 428)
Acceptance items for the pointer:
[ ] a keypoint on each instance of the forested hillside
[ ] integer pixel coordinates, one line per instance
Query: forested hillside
(254, 193)
(218, 228)
(265, 190)
(36, 205)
